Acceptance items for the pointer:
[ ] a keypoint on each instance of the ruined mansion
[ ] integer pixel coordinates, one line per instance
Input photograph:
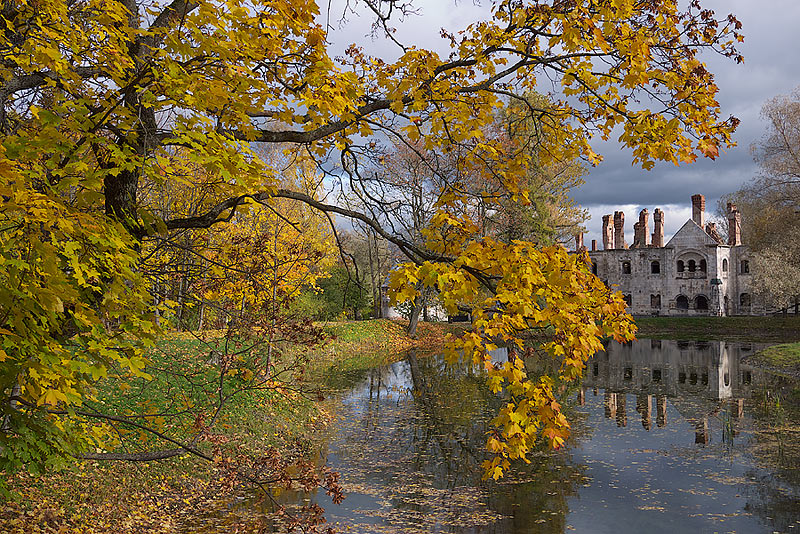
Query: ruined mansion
(695, 273)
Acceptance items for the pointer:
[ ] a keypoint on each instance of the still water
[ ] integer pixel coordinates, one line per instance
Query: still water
(663, 440)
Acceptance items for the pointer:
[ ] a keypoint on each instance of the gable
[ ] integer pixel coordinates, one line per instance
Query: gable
(691, 236)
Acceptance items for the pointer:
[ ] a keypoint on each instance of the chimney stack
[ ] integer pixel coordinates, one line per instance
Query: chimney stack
(579, 242)
(699, 210)
(641, 230)
(658, 228)
(619, 230)
(608, 232)
(594, 245)
(711, 229)
(734, 226)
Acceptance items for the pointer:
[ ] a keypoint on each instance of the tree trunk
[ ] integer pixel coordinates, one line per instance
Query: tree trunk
(414, 320)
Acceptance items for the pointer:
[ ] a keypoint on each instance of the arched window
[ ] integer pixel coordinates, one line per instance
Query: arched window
(745, 267)
(744, 300)
(655, 301)
(703, 266)
(626, 267)
(628, 299)
(680, 266)
(594, 268)
(655, 267)
(692, 266)
(724, 266)
(700, 303)
(682, 302)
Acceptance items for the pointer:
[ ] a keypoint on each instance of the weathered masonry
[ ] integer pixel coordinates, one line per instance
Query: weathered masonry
(695, 273)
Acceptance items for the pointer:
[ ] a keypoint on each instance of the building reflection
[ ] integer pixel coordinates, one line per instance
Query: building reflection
(699, 378)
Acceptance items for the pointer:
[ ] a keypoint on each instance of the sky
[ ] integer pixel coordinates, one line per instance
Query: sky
(771, 67)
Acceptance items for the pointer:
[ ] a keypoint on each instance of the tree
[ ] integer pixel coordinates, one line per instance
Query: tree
(770, 204)
(98, 95)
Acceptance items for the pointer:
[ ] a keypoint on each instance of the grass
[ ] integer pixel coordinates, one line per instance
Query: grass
(781, 359)
(101, 497)
(752, 329)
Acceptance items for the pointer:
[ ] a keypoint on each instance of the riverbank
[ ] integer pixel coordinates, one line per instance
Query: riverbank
(748, 329)
(186, 493)
(782, 360)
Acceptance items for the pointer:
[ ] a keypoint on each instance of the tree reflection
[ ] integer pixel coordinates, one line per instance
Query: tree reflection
(416, 442)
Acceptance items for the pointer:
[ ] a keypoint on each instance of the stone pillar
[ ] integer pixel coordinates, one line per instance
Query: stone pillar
(594, 245)
(645, 408)
(622, 415)
(702, 433)
(658, 228)
(734, 226)
(661, 410)
(641, 230)
(619, 230)
(610, 404)
(608, 232)
(579, 242)
(699, 210)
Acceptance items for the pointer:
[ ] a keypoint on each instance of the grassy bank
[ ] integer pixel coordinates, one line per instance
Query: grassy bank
(751, 329)
(186, 493)
(783, 359)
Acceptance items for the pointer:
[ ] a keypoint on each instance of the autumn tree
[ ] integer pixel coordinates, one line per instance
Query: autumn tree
(770, 203)
(550, 216)
(97, 95)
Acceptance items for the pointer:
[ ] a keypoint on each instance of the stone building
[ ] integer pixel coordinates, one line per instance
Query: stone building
(695, 273)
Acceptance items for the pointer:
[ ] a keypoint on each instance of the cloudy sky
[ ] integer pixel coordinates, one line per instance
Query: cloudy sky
(771, 67)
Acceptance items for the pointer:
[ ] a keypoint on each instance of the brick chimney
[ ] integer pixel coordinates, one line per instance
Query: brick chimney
(711, 229)
(734, 225)
(579, 242)
(641, 230)
(619, 230)
(699, 210)
(608, 232)
(658, 228)
(594, 245)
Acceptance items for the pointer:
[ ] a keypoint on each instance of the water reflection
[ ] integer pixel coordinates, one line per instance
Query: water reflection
(701, 379)
(411, 439)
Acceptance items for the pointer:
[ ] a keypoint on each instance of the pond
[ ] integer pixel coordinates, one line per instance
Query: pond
(663, 440)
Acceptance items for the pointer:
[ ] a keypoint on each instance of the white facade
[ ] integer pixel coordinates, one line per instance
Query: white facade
(693, 274)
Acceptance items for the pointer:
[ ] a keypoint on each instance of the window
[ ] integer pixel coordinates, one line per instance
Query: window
(656, 375)
(655, 267)
(628, 374)
(626, 267)
(703, 265)
(594, 268)
(628, 299)
(700, 302)
(682, 302)
(692, 266)
(745, 267)
(725, 266)
(655, 301)
(680, 266)
(744, 300)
